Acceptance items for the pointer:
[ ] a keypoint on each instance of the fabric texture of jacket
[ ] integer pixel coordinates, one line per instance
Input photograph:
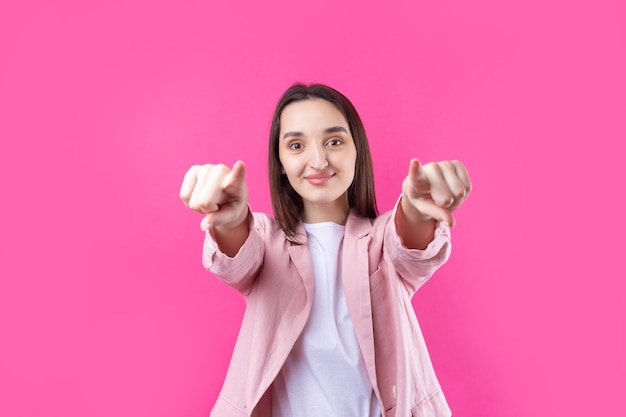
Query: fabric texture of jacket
(380, 275)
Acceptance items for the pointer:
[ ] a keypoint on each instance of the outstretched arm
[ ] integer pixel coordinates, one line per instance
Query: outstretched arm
(430, 193)
(221, 194)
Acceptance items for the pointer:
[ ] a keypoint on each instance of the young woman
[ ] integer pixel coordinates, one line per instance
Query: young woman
(329, 329)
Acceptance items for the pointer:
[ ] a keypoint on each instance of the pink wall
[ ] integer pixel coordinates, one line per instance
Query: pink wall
(105, 309)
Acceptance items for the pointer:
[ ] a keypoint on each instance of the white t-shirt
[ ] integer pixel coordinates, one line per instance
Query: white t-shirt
(324, 374)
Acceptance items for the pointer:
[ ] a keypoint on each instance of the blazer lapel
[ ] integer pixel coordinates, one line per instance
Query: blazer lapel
(355, 275)
(301, 258)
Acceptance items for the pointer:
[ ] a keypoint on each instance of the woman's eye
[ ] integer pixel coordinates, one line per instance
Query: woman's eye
(334, 142)
(295, 146)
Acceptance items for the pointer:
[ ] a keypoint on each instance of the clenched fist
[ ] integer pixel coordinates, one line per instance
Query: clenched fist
(218, 192)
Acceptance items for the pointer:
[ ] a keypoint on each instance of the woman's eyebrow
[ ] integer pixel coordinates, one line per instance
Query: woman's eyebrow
(292, 134)
(334, 129)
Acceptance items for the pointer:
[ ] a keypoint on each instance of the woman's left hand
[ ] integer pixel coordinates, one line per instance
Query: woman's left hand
(434, 190)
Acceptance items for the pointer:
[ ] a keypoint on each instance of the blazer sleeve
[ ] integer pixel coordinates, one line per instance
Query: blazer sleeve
(239, 271)
(416, 266)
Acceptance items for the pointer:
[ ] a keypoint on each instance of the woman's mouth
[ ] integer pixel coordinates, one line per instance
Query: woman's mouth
(319, 179)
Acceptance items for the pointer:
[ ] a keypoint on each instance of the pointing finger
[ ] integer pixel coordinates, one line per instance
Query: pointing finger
(419, 181)
(236, 177)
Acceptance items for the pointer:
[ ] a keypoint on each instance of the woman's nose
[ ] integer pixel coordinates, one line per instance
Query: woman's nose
(318, 158)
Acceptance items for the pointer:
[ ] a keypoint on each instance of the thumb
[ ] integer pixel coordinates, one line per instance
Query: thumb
(428, 208)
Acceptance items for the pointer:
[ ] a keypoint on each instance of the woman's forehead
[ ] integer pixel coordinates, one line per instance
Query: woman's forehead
(311, 116)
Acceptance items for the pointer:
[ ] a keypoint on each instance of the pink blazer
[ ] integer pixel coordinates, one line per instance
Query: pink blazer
(380, 275)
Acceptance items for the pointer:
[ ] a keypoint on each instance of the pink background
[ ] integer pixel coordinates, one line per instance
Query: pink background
(105, 309)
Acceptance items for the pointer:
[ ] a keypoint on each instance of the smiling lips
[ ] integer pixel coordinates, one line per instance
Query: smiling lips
(319, 179)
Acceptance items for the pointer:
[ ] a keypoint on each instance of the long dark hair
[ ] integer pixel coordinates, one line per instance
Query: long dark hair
(286, 202)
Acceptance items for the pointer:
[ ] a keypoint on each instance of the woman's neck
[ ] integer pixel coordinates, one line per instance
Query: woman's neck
(336, 212)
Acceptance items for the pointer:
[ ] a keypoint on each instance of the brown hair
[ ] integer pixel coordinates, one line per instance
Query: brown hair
(286, 202)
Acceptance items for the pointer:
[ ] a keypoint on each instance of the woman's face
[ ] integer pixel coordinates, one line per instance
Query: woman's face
(318, 155)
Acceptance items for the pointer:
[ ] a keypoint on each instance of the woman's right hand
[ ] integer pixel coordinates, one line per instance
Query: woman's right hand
(218, 192)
